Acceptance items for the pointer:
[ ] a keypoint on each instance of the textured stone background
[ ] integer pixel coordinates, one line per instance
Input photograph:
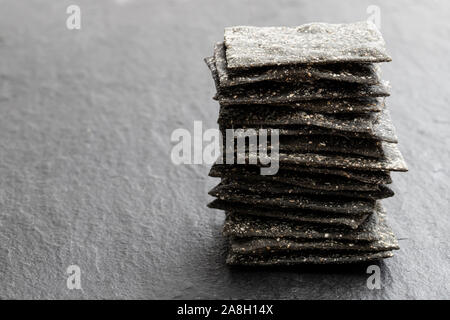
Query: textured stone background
(85, 172)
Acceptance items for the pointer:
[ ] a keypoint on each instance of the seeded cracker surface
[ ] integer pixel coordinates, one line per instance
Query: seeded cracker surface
(311, 130)
(353, 206)
(282, 93)
(246, 226)
(312, 258)
(279, 117)
(248, 47)
(291, 122)
(322, 211)
(273, 188)
(330, 144)
(310, 216)
(314, 182)
(351, 72)
(376, 177)
(393, 160)
(387, 242)
(313, 246)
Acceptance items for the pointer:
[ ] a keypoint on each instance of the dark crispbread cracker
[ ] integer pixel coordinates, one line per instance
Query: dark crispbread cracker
(306, 258)
(310, 130)
(378, 126)
(392, 161)
(269, 93)
(350, 72)
(350, 206)
(259, 245)
(304, 179)
(274, 188)
(246, 226)
(383, 127)
(379, 122)
(374, 177)
(324, 144)
(299, 130)
(240, 207)
(313, 43)
(271, 245)
(254, 115)
(334, 106)
(233, 117)
(310, 181)
(355, 105)
(308, 216)
(210, 62)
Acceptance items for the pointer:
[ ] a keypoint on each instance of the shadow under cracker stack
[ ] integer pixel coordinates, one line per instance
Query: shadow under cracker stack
(319, 84)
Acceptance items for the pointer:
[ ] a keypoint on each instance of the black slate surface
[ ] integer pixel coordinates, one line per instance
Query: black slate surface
(86, 176)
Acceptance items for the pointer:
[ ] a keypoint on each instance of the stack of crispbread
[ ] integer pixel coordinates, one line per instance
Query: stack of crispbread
(319, 85)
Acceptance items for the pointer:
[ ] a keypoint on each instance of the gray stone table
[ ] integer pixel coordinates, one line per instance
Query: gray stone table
(85, 172)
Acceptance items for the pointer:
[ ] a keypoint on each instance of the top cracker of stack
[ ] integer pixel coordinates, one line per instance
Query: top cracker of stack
(320, 85)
